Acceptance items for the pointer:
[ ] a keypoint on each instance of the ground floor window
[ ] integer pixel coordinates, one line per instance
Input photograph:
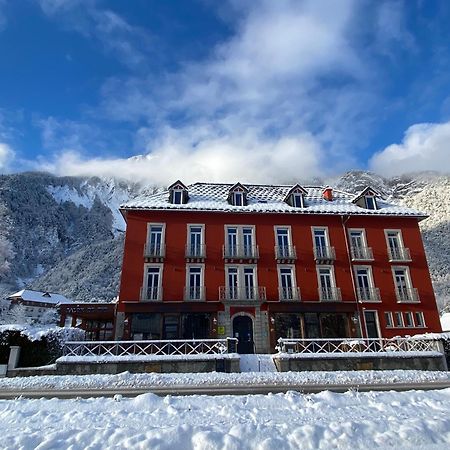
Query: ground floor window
(98, 330)
(287, 326)
(171, 326)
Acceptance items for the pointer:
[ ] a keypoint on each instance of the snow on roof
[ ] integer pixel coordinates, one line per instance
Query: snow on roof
(40, 297)
(265, 198)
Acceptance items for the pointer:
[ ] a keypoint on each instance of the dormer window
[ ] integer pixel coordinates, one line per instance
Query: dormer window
(367, 199)
(296, 197)
(178, 193)
(237, 195)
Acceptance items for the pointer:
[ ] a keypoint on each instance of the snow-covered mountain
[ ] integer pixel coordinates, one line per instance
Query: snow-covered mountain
(67, 232)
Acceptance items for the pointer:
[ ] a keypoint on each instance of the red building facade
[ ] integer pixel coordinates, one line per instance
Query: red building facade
(261, 262)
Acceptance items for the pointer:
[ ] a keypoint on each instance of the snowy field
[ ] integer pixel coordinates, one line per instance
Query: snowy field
(404, 420)
(142, 380)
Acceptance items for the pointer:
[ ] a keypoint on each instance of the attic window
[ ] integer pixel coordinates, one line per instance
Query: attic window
(177, 197)
(297, 200)
(237, 196)
(371, 202)
(296, 197)
(238, 199)
(178, 193)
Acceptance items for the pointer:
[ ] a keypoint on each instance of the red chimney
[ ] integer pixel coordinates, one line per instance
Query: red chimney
(328, 193)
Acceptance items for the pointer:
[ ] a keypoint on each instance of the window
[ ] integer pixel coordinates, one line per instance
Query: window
(283, 243)
(403, 289)
(297, 200)
(409, 319)
(371, 202)
(396, 249)
(178, 193)
(287, 283)
(322, 249)
(327, 285)
(178, 197)
(153, 280)
(237, 195)
(238, 199)
(419, 320)
(194, 288)
(398, 319)
(241, 283)
(358, 245)
(388, 319)
(240, 242)
(155, 243)
(364, 284)
(195, 246)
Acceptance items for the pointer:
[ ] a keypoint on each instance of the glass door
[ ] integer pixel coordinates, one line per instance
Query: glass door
(195, 241)
(233, 283)
(287, 285)
(283, 242)
(153, 279)
(232, 242)
(249, 283)
(195, 283)
(247, 238)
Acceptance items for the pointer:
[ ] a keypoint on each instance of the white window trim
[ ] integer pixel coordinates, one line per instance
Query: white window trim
(302, 199)
(173, 196)
(407, 276)
(377, 321)
(160, 283)
(327, 235)
(416, 325)
(405, 313)
(200, 225)
(326, 266)
(202, 277)
(402, 324)
(399, 235)
(240, 274)
(289, 234)
(360, 230)
(374, 202)
(163, 233)
(391, 319)
(369, 274)
(240, 234)
(294, 275)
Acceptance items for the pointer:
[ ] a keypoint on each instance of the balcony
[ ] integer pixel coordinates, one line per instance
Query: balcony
(330, 294)
(194, 293)
(407, 295)
(195, 251)
(324, 254)
(397, 254)
(154, 251)
(361, 253)
(244, 294)
(289, 293)
(151, 294)
(285, 253)
(240, 252)
(368, 294)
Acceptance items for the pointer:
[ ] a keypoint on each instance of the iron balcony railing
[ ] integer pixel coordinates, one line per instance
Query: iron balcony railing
(195, 251)
(240, 251)
(235, 293)
(149, 294)
(356, 345)
(399, 254)
(289, 293)
(330, 294)
(324, 253)
(154, 250)
(368, 294)
(285, 252)
(194, 293)
(123, 349)
(361, 253)
(407, 295)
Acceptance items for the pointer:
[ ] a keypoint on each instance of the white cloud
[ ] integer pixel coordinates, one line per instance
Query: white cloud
(425, 146)
(247, 158)
(6, 156)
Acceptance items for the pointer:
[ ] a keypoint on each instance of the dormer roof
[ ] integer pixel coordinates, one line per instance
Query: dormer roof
(177, 185)
(239, 188)
(367, 191)
(296, 189)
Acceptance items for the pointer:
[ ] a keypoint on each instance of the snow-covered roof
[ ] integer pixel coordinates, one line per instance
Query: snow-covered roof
(265, 198)
(40, 297)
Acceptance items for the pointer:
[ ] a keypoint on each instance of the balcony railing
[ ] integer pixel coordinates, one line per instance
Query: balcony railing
(330, 294)
(285, 252)
(399, 254)
(154, 251)
(324, 254)
(361, 253)
(368, 295)
(240, 252)
(235, 293)
(195, 251)
(194, 293)
(407, 295)
(151, 294)
(289, 293)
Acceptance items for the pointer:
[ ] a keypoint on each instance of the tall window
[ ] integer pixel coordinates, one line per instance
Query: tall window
(241, 283)
(388, 318)
(398, 319)
(238, 199)
(177, 197)
(233, 283)
(371, 202)
(156, 240)
(327, 286)
(195, 283)
(419, 320)
(195, 241)
(409, 319)
(240, 242)
(322, 250)
(358, 245)
(364, 284)
(396, 249)
(297, 200)
(403, 288)
(288, 289)
(153, 279)
(283, 241)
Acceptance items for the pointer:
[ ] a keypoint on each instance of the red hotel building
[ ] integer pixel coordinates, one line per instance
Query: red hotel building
(260, 262)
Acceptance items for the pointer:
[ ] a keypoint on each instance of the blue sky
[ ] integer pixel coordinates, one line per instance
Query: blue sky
(270, 91)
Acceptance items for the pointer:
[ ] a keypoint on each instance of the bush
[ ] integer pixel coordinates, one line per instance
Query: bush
(38, 347)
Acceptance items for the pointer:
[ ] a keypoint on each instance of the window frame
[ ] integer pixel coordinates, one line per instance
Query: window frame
(388, 319)
(200, 266)
(422, 316)
(293, 276)
(160, 266)
(406, 315)
(397, 323)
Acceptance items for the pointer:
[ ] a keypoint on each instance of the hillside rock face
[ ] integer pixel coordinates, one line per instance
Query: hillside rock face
(67, 232)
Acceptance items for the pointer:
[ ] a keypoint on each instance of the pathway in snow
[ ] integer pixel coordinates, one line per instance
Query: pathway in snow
(257, 363)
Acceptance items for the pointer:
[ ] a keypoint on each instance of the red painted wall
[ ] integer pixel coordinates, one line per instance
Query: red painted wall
(174, 274)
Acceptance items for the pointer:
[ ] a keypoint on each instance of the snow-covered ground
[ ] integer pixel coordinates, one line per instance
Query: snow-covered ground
(143, 380)
(414, 419)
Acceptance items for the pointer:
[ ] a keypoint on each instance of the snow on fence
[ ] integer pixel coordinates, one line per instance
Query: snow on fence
(154, 347)
(363, 345)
